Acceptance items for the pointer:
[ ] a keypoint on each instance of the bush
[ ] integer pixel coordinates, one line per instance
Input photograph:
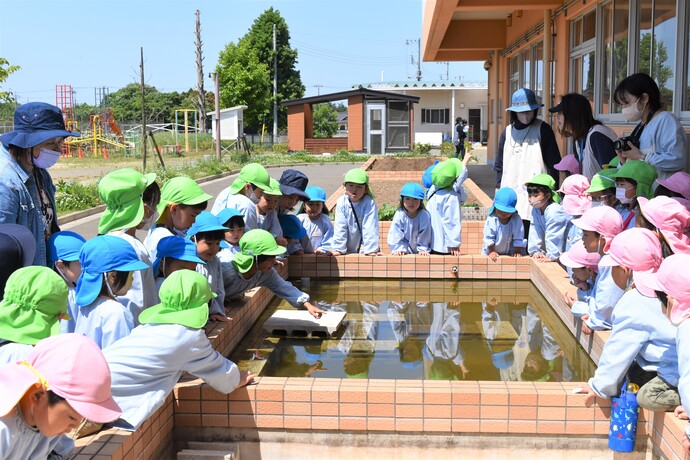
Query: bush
(75, 196)
(422, 149)
(447, 149)
(387, 212)
(281, 149)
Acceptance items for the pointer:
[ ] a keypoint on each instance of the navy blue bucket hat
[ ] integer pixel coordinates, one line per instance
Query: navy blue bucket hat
(34, 123)
(291, 225)
(524, 100)
(293, 182)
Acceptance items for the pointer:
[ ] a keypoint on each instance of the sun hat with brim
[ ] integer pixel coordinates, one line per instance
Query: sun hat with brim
(181, 190)
(641, 172)
(34, 123)
(603, 180)
(274, 188)
(101, 255)
(64, 245)
(121, 191)
(34, 297)
(226, 214)
(412, 190)
(671, 218)
(639, 250)
(255, 243)
(673, 278)
(291, 226)
(184, 300)
(576, 200)
(358, 176)
(568, 163)
(175, 247)
(578, 257)
(71, 366)
(252, 173)
(604, 220)
(678, 182)
(426, 176)
(444, 174)
(547, 181)
(316, 193)
(505, 200)
(503, 359)
(613, 164)
(205, 222)
(293, 182)
(523, 100)
(17, 240)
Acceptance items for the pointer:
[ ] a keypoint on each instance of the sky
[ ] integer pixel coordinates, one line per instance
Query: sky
(96, 43)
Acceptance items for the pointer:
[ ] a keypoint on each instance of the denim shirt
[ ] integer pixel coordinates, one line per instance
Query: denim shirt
(19, 202)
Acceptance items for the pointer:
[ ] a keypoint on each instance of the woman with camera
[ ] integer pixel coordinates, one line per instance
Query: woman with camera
(660, 136)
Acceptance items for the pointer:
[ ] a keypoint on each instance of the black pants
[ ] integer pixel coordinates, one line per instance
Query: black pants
(460, 149)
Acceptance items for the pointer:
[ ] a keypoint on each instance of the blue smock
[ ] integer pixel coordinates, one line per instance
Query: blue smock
(236, 285)
(240, 202)
(410, 235)
(504, 237)
(547, 232)
(346, 234)
(319, 232)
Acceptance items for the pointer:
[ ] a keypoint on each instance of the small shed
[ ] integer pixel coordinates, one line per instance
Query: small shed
(378, 122)
(231, 123)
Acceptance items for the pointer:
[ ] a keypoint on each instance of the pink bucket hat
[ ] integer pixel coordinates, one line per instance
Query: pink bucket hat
(673, 278)
(568, 163)
(671, 218)
(604, 220)
(576, 200)
(71, 366)
(639, 250)
(578, 257)
(678, 182)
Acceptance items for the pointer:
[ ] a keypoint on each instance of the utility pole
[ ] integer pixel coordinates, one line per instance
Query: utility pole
(318, 89)
(216, 97)
(143, 112)
(275, 86)
(201, 93)
(418, 41)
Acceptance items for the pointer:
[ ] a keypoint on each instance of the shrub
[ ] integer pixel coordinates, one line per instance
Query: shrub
(447, 149)
(387, 212)
(422, 149)
(75, 196)
(280, 149)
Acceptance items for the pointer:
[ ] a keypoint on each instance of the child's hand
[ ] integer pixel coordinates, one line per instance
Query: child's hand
(569, 299)
(591, 396)
(680, 413)
(493, 255)
(315, 311)
(585, 329)
(246, 377)
(320, 252)
(454, 251)
(281, 241)
(517, 253)
(334, 253)
(686, 444)
(423, 253)
(467, 158)
(582, 285)
(298, 253)
(218, 318)
(373, 253)
(398, 253)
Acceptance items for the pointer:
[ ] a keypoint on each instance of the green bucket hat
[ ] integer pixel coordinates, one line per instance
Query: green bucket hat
(252, 173)
(444, 174)
(181, 190)
(121, 192)
(358, 176)
(614, 163)
(255, 243)
(34, 297)
(184, 300)
(546, 180)
(274, 188)
(602, 180)
(641, 172)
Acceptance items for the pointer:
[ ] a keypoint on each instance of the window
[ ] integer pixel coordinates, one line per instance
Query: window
(527, 69)
(398, 132)
(514, 74)
(615, 16)
(657, 45)
(583, 44)
(436, 116)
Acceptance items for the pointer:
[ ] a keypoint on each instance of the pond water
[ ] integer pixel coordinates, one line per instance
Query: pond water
(438, 330)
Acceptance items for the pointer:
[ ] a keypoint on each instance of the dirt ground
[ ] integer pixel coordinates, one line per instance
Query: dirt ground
(388, 192)
(402, 164)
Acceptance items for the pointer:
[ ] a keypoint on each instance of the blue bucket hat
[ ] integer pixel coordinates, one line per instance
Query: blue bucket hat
(207, 222)
(316, 193)
(226, 214)
(426, 177)
(292, 227)
(524, 100)
(412, 190)
(293, 182)
(65, 246)
(503, 359)
(101, 255)
(175, 247)
(505, 200)
(34, 123)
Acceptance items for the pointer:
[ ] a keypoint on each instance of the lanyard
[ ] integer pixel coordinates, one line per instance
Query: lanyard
(359, 227)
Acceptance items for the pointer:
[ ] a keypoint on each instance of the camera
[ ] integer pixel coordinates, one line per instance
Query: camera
(622, 143)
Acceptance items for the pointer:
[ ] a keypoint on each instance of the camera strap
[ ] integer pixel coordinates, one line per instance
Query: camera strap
(637, 132)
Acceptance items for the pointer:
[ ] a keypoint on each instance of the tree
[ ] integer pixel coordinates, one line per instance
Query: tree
(257, 46)
(660, 72)
(160, 107)
(325, 119)
(201, 94)
(5, 71)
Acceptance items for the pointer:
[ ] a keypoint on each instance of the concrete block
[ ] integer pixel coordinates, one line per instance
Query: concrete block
(300, 323)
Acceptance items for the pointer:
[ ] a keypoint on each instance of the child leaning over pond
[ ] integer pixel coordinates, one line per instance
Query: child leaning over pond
(315, 221)
(547, 232)
(410, 231)
(504, 233)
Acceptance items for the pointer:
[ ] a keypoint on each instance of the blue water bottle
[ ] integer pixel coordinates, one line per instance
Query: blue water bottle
(624, 414)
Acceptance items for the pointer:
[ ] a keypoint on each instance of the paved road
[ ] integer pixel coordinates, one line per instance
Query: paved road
(327, 176)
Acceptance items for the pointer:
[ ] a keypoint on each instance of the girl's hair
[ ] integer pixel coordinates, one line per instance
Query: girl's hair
(513, 116)
(636, 85)
(54, 398)
(152, 194)
(119, 283)
(263, 258)
(627, 179)
(324, 208)
(235, 221)
(215, 235)
(536, 188)
(200, 206)
(421, 204)
(577, 113)
(663, 191)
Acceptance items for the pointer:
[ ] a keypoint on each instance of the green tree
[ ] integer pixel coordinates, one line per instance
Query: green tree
(160, 107)
(5, 71)
(325, 119)
(660, 72)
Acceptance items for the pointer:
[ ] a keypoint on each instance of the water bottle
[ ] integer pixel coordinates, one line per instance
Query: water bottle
(624, 415)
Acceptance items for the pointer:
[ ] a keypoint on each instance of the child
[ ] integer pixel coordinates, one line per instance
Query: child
(17, 250)
(267, 213)
(443, 203)
(315, 221)
(356, 228)
(174, 253)
(504, 233)
(410, 231)
(241, 194)
(677, 185)
(172, 333)
(293, 185)
(568, 164)
(293, 232)
(122, 192)
(642, 340)
(584, 266)
(35, 300)
(181, 201)
(253, 267)
(208, 234)
(63, 256)
(669, 219)
(547, 232)
(106, 266)
(234, 221)
(575, 202)
(63, 381)
(633, 179)
(599, 226)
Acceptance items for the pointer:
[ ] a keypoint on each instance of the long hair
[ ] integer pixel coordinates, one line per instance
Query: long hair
(577, 112)
(636, 85)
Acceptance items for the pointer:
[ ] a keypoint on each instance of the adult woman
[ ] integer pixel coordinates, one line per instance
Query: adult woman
(527, 147)
(593, 141)
(662, 142)
(27, 193)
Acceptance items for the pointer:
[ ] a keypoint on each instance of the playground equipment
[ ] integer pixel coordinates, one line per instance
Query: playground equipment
(186, 113)
(103, 133)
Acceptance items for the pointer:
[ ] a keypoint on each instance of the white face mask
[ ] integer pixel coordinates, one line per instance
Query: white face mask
(46, 158)
(536, 203)
(631, 112)
(525, 117)
(596, 204)
(620, 195)
(150, 222)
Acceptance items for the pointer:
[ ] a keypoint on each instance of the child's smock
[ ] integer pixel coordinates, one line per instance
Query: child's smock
(446, 218)
(410, 235)
(212, 271)
(240, 202)
(319, 232)
(269, 222)
(19, 442)
(236, 285)
(683, 349)
(106, 321)
(143, 292)
(504, 237)
(606, 296)
(547, 232)
(346, 236)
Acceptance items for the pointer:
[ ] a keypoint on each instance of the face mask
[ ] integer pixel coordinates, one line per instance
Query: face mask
(46, 158)
(150, 222)
(620, 195)
(631, 113)
(596, 204)
(536, 203)
(525, 117)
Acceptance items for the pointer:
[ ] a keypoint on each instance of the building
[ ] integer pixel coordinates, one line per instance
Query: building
(440, 103)
(559, 46)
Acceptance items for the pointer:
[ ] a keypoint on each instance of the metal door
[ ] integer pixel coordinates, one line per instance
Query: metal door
(376, 129)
